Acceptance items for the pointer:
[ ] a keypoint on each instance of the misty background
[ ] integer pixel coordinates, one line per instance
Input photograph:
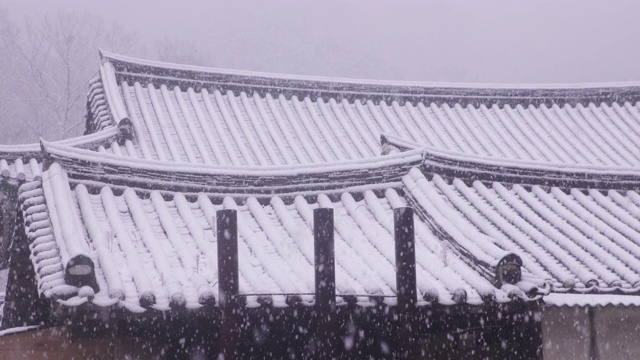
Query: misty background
(49, 49)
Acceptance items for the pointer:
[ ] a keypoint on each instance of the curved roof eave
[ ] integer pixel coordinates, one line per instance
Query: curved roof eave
(23, 162)
(155, 175)
(473, 167)
(134, 69)
(82, 141)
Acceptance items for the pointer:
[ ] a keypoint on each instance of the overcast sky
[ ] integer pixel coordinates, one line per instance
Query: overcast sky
(490, 41)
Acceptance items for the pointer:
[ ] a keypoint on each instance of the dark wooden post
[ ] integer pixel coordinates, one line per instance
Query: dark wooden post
(227, 237)
(325, 276)
(405, 282)
(8, 206)
(23, 305)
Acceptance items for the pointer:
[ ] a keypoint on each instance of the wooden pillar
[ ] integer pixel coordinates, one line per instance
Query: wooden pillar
(325, 277)
(227, 237)
(405, 282)
(8, 206)
(594, 354)
(23, 305)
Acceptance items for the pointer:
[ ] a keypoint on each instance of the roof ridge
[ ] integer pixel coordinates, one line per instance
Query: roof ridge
(155, 174)
(134, 69)
(82, 141)
(110, 56)
(518, 171)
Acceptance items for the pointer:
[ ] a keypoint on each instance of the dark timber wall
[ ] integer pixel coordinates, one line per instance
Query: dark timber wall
(457, 332)
(495, 331)
(23, 306)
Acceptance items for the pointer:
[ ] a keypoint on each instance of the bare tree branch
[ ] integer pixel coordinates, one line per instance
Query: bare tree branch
(48, 63)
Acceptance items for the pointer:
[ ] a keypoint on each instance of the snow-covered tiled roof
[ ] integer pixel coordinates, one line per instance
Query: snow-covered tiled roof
(515, 171)
(547, 173)
(157, 248)
(233, 180)
(199, 115)
(99, 115)
(584, 241)
(19, 163)
(591, 300)
(571, 239)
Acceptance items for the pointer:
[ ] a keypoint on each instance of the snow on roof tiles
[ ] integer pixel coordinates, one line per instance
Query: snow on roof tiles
(579, 240)
(527, 173)
(502, 171)
(16, 171)
(193, 178)
(583, 241)
(198, 115)
(19, 163)
(152, 245)
(98, 110)
(591, 300)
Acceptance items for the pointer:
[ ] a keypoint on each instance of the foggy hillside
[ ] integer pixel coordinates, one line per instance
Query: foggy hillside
(50, 51)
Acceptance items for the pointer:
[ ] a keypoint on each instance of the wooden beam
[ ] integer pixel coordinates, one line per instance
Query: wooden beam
(406, 289)
(228, 282)
(325, 282)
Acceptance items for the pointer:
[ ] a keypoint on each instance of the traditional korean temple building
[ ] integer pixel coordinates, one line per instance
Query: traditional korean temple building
(525, 200)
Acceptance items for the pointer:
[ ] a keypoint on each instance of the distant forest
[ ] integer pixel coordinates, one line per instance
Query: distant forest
(47, 62)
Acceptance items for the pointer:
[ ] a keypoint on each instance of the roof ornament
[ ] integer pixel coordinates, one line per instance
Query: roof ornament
(126, 130)
(103, 57)
(509, 270)
(387, 148)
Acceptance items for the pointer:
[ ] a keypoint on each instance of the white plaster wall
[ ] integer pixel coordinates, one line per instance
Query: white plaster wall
(618, 333)
(566, 333)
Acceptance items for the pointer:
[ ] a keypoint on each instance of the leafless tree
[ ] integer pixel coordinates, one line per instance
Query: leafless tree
(49, 62)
